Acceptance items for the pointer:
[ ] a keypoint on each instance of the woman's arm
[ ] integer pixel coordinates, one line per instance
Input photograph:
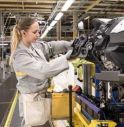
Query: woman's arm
(53, 48)
(60, 46)
(42, 69)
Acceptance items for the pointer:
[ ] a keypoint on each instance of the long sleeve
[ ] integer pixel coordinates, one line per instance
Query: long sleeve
(39, 69)
(33, 69)
(54, 47)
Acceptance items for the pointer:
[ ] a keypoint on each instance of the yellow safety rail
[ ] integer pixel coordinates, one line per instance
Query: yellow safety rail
(81, 121)
(80, 118)
(97, 123)
(11, 112)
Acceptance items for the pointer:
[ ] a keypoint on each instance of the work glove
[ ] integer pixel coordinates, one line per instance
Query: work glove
(67, 44)
(68, 54)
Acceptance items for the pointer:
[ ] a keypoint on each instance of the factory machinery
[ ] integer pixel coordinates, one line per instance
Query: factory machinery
(100, 74)
(104, 74)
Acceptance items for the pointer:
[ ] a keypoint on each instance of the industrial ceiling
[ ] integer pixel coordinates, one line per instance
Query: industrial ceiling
(46, 9)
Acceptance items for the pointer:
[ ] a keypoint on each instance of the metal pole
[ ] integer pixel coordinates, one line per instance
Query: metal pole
(86, 78)
(70, 106)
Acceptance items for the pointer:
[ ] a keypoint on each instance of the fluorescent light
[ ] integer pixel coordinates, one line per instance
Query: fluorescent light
(53, 23)
(86, 17)
(67, 4)
(3, 44)
(13, 17)
(49, 28)
(65, 7)
(58, 16)
(46, 31)
(44, 34)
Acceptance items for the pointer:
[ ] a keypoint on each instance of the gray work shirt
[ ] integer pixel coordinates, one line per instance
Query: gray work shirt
(34, 65)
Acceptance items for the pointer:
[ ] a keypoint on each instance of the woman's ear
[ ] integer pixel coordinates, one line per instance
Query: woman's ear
(22, 32)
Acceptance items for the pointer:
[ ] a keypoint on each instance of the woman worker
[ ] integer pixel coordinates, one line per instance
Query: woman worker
(33, 68)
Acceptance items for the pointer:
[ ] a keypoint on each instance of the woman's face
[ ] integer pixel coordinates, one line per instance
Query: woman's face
(32, 34)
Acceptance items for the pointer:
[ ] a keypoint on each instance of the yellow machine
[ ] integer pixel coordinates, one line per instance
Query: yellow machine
(86, 71)
(81, 121)
(81, 107)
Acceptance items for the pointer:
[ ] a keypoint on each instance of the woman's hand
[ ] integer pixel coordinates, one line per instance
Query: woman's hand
(68, 54)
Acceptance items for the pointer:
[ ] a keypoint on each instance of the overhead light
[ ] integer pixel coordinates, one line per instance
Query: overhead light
(67, 4)
(46, 31)
(12, 17)
(86, 17)
(49, 28)
(3, 44)
(58, 16)
(53, 23)
(65, 7)
(44, 34)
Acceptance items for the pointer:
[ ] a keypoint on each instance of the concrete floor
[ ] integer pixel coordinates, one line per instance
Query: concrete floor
(7, 91)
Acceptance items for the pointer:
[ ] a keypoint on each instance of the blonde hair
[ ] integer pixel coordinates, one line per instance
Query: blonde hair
(22, 24)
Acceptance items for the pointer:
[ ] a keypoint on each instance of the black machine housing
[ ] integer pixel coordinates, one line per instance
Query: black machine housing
(106, 39)
(107, 36)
